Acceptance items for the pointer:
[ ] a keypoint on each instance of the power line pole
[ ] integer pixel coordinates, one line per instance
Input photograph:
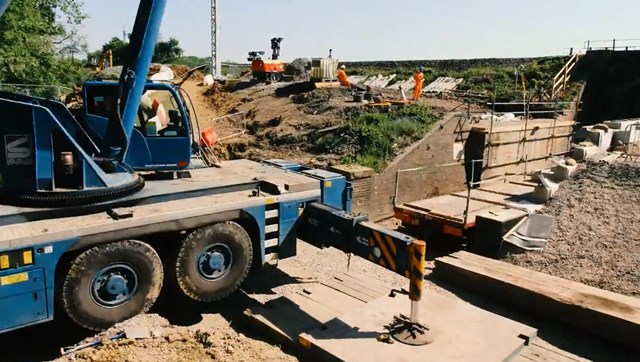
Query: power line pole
(216, 68)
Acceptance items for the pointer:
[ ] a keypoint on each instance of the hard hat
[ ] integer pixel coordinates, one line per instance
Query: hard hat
(343, 66)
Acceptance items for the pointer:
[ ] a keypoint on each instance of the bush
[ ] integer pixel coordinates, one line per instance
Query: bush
(372, 139)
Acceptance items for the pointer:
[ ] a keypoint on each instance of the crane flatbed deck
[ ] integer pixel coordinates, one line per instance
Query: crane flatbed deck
(235, 185)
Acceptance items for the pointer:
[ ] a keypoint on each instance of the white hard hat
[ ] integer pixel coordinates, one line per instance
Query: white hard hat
(342, 66)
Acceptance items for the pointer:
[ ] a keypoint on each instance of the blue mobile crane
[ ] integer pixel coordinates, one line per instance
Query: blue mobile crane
(83, 232)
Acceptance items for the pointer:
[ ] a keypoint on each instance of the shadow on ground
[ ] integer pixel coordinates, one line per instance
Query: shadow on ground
(570, 339)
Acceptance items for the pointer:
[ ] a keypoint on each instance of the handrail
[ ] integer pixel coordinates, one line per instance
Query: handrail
(615, 44)
(561, 79)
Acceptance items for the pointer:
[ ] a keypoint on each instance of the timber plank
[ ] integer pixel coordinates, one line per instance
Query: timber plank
(334, 284)
(365, 282)
(611, 315)
(331, 298)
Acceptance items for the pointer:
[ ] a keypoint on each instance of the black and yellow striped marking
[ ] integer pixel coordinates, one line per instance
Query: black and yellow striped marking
(388, 250)
(416, 269)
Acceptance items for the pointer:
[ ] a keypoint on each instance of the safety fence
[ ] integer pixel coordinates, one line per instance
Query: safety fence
(612, 44)
(210, 137)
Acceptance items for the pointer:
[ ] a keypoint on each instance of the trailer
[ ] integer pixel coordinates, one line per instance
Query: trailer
(455, 216)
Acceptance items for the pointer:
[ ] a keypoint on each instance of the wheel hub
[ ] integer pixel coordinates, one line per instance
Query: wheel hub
(215, 262)
(114, 285)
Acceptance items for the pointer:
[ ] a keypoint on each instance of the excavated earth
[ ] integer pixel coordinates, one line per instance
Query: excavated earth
(596, 238)
(283, 120)
(176, 344)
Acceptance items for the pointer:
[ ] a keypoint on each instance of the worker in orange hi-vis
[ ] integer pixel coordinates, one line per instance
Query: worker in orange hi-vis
(419, 79)
(342, 77)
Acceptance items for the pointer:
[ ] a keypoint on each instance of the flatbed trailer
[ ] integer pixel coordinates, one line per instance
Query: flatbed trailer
(454, 215)
(104, 263)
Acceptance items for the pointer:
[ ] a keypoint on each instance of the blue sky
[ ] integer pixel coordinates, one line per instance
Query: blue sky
(380, 30)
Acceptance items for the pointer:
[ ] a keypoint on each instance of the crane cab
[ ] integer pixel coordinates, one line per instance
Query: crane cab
(161, 139)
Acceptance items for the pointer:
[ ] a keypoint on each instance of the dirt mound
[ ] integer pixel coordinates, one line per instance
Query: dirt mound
(170, 343)
(299, 69)
(321, 101)
(221, 100)
(596, 240)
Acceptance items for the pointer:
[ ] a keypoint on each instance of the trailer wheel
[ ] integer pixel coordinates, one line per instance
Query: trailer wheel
(213, 261)
(111, 283)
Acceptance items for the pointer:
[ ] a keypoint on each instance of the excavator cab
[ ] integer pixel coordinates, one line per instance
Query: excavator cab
(162, 135)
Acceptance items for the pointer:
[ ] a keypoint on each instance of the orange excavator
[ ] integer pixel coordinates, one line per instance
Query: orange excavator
(267, 69)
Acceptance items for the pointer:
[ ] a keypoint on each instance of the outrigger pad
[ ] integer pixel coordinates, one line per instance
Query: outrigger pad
(404, 331)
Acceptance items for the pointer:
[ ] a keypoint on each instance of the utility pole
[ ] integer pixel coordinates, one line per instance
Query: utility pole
(216, 68)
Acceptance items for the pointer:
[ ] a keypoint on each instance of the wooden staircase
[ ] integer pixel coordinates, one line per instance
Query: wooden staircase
(562, 78)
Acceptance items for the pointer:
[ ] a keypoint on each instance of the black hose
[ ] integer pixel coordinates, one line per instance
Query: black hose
(197, 122)
(124, 138)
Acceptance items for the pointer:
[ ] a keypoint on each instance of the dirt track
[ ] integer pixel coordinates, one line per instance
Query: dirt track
(596, 240)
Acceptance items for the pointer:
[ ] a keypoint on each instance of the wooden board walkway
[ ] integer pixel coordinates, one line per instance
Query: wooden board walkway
(340, 319)
(611, 315)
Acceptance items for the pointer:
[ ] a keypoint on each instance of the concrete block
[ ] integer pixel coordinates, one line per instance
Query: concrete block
(353, 172)
(583, 133)
(621, 124)
(582, 153)
(626, 136)
(562, 172)
(601, 138)
(545, 191)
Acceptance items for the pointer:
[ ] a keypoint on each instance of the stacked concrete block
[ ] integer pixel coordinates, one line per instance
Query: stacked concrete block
(581, 153)
(601, 138)
(625, 131)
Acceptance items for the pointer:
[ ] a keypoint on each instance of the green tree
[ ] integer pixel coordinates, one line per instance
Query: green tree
(38, 39)
(167, 50)
(164, 50)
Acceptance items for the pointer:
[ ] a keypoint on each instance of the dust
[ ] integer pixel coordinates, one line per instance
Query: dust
(596, 240)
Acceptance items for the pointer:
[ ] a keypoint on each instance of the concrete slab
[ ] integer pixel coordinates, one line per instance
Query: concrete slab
(461, 332)
(352, 172)
(581, 153)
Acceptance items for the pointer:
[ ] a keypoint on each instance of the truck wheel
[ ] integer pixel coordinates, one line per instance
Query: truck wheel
(276, 77)
(213, 261)
(111, 283)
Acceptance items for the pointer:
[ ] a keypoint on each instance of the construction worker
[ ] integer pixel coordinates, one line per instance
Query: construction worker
(418, 77)
(342, 77)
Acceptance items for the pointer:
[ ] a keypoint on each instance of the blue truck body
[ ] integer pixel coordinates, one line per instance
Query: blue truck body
(27, 272)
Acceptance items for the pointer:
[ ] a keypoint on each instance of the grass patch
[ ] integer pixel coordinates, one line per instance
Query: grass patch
(372, 139)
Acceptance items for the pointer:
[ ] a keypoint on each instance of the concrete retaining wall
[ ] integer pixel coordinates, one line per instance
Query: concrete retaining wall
(436, 148)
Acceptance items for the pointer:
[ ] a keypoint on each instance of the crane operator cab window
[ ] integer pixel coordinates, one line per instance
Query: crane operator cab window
(159, 115)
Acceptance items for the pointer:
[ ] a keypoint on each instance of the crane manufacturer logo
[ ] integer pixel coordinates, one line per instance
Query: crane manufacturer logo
(19, 149)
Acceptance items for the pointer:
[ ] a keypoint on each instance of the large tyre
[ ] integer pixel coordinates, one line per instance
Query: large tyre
(111, 283)
(213, 261)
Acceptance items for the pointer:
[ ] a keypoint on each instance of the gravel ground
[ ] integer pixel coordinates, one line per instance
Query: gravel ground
(596, 240)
